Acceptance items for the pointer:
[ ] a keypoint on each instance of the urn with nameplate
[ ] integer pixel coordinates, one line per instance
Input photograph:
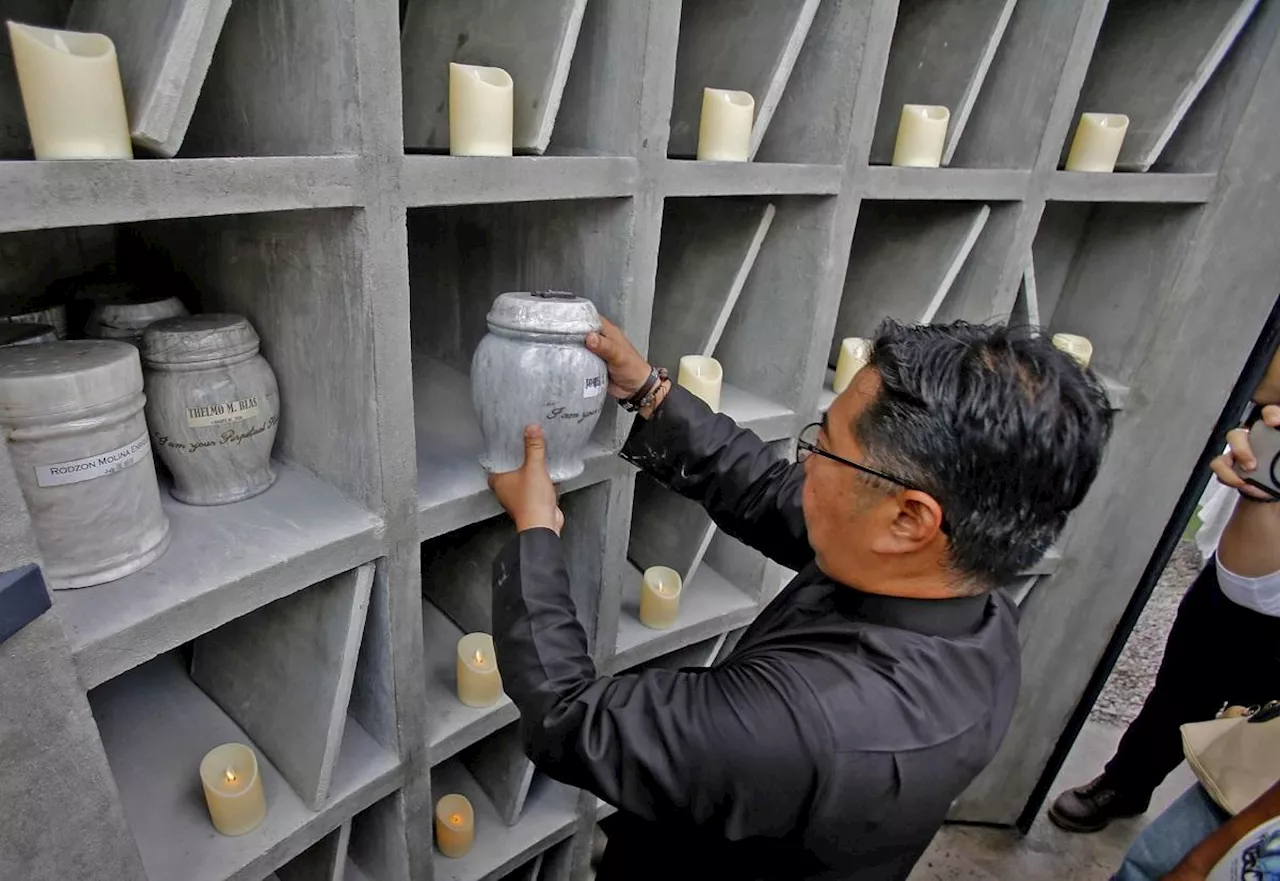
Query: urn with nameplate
(212, 406)
(533, 367)
(72, 413)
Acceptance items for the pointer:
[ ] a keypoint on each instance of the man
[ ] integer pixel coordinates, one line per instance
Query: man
(867, 695)
(1223, 648)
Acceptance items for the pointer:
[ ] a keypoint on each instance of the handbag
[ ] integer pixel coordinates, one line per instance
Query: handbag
(1236, 757)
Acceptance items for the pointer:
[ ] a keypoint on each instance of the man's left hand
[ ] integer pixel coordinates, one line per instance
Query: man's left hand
(527, 493)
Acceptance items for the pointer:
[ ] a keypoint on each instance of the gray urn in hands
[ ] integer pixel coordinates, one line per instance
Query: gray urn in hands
(533, 367)
(212, 407)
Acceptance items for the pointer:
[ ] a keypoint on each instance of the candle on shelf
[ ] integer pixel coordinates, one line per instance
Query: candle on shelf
(922, 132)
(233, 788)
(455, 825)
(479, 684)
(659, 597)
(480, 110)
(855, 352)
(1097, 142)
(1077, 347)
(71, 92)
(724, 133)
(702, 376)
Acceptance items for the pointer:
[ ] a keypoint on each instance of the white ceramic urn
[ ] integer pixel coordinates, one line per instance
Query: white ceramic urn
(212, 407)
(123, 315)
(72, 413)
(533, 367)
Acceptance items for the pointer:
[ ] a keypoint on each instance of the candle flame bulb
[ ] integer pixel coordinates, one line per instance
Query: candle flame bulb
(230, 775)
(479, 657)
(455, 819)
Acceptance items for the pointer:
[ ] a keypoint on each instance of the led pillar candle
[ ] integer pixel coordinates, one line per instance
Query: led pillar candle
(71, 92)
(702, 376)
(481, 110)
(724, 133)
(233, 788)
(922, 133)
(455, 825)
(1077, 347)
(479, 684)
(855, 352)
(1097, 143)
(659, 597)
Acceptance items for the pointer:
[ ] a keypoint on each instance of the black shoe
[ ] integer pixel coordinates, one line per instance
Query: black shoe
(1091, 807)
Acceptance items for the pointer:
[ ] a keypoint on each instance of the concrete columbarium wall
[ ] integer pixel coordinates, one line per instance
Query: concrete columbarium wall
(308, 192)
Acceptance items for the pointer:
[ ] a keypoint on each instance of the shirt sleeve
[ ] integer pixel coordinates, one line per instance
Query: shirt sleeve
(750, 492)
(722, 748)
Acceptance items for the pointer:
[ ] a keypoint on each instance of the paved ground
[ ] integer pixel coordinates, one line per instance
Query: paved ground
(961, 853)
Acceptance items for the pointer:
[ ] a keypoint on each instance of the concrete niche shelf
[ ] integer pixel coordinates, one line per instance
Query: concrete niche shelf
(312, 194)
(1151, 63)
(941, 54)
(532, 42)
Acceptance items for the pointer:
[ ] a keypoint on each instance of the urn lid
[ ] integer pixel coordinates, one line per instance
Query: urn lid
(22, 333)
(194, 339)
(125, 313)
(65, 377)
(553, 312)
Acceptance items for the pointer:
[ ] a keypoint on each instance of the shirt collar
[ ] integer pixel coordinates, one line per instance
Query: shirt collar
(954, 616)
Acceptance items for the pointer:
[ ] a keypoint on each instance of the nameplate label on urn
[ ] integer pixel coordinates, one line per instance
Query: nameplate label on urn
(592, 386)
(223, 414)
(100, 465)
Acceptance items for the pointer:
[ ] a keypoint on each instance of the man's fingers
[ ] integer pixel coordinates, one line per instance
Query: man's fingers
(602, 345)
(1238, 440)
(535, 447)
(1221, 467)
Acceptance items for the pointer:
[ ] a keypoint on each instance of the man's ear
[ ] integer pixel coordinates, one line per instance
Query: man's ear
(914, 522)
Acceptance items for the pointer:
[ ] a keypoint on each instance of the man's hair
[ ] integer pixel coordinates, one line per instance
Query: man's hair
(1004, 430)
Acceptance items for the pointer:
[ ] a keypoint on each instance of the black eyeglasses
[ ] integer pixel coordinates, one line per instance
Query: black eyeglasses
(807, 445)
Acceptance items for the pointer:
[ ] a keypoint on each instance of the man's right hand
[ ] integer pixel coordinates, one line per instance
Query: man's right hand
(1240, 452)
(628, 369)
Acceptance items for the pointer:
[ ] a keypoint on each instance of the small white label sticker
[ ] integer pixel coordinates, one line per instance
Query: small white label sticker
(222, 414)
(90, 467)
(593, 386)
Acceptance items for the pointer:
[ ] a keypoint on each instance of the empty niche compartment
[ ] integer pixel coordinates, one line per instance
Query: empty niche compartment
(922, 262)
(457, 588)
(1102, 271)
(728, 44)
(940, 54)
(292, 275)
(533, 42)
(737, 277)
(547, 815)
(1151, 61)
(211, 77)
(722, 578)
(1006, 112)
(278, 680)
(460, 260)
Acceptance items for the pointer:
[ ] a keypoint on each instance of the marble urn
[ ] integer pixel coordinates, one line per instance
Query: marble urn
(532, 367)
(212, 406)
(124, 315)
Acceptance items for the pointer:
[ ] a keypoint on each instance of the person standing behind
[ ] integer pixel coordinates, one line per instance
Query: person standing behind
(1224, 647)
(869, 693)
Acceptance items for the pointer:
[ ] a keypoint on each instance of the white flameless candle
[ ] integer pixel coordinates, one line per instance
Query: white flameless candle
(659, 597)
(724, 133)
(233, 788)
(855, 352)
(479, 683)
(703, 376)
(71, 92)
(1097, 143)
(1077, 347)
(922, 132)
(481, 110)
(455, 825)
